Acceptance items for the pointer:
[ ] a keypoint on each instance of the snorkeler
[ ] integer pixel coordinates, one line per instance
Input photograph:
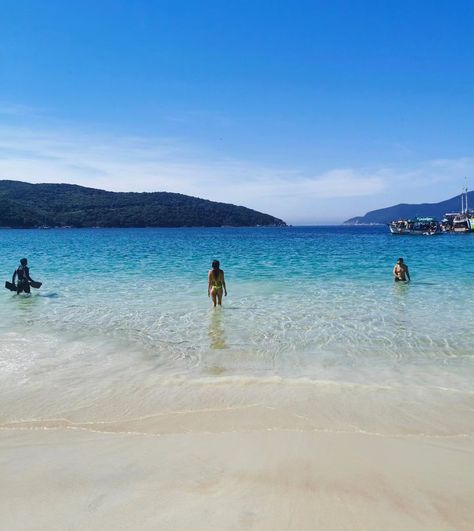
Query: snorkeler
(400, 271)
(23, 275)
(216, 283)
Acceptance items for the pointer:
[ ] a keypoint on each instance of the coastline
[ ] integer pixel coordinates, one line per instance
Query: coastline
(317, 397)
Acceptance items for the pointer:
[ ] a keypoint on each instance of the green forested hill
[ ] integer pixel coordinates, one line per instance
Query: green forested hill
(31, 205)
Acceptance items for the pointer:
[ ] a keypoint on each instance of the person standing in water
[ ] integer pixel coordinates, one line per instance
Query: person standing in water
(23, 275)
(216, 283)
(400, 271)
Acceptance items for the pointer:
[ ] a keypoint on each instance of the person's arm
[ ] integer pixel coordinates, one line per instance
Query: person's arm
(223, 284)
(407, 273)
(27, 274)
(394, 271)
(209, 283)
(14, 276)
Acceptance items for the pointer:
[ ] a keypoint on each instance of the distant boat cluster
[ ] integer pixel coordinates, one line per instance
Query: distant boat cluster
(457, 222)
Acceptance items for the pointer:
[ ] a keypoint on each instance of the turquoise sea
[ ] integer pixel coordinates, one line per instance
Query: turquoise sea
(123, 325)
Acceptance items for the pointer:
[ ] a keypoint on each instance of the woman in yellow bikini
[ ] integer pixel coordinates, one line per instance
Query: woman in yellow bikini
(216, 283)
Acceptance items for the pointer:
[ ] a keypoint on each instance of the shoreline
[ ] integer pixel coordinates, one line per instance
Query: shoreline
(318, 398)
(267, 457)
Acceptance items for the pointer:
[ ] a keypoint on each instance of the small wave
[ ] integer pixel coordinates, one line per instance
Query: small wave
(123, 428)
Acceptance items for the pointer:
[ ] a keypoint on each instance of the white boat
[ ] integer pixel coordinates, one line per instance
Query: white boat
(463, 221)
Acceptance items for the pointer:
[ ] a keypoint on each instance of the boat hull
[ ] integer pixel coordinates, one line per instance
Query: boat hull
(408, 232)
(417, 227)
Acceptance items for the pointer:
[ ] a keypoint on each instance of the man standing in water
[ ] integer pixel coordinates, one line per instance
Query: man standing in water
(23, 275)
(400, 271)
(216, 283)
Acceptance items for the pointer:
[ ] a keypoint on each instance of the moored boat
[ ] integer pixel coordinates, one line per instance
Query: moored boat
(463, 222)
(460, 222)
(426, 226)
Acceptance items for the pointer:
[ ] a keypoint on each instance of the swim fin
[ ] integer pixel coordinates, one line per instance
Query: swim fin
(10, 286)
(35, 284)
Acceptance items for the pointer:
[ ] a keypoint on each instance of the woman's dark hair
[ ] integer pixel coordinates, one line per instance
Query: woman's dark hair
(23, 261)
(215, 268)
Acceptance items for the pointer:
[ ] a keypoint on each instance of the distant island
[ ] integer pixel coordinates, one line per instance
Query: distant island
(407, 211)
(26, 205)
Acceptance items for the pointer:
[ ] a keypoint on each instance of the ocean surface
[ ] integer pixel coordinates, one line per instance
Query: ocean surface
(122, 328)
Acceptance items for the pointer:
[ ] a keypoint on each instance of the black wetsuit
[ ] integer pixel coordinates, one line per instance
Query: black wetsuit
(24, 279)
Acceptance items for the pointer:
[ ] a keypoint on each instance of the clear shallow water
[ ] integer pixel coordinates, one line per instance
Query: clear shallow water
(123, 312)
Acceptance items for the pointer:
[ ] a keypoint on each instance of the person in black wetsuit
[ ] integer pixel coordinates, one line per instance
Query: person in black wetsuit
(23, 276)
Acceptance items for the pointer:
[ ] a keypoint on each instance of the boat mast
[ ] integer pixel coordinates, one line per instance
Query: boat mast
(464, 198)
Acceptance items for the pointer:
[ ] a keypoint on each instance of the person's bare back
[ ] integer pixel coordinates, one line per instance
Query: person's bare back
(216, 283)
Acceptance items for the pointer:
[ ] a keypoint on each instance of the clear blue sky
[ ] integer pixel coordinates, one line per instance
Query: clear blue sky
(311, 111)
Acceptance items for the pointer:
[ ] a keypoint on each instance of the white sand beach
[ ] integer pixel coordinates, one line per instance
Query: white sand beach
(248, 467)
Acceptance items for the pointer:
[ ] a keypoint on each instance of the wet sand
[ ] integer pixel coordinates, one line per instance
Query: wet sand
(60, 478)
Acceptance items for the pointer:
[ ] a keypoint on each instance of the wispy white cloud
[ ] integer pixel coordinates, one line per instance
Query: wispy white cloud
(122, 163)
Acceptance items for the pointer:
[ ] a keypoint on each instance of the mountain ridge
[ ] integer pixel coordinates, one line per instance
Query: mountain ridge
(408, 211)
(28, 205)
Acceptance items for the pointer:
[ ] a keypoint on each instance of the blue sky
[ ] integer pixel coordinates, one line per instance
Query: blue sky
(311, 111)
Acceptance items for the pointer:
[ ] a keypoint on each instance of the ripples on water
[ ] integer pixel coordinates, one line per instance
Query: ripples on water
(305, 303)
